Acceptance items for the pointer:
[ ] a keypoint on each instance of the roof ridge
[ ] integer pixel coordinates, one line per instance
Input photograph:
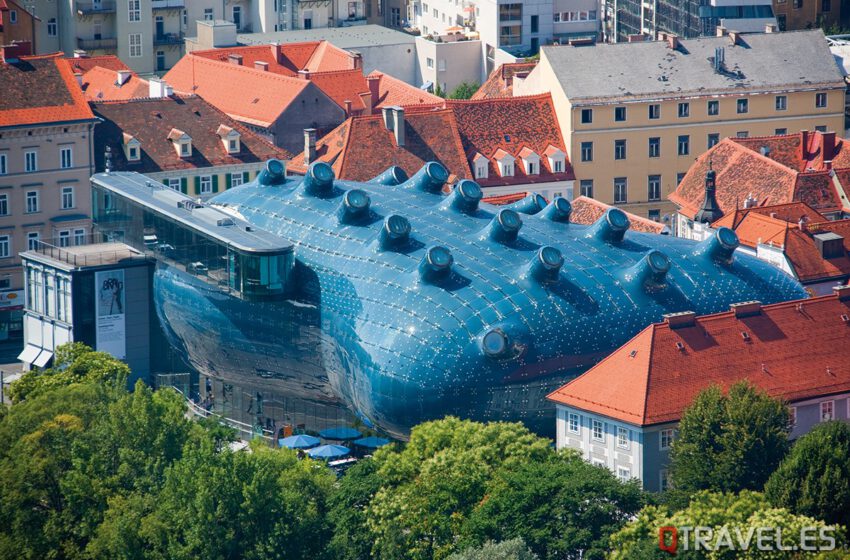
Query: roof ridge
(648, 374)
(249, 69)
(341, 157)
(535, 96)
(45, 56)
(148, 99)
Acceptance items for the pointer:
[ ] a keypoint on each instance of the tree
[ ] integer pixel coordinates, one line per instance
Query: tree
(814, 479)
(464, 90)
(729, 442)
(351, 539)
(563, 507)
(514, 549)
(72, 363)
(726, 514)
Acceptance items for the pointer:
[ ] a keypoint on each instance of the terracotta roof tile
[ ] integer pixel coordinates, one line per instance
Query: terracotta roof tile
(153, 121)
(392, 91)
(500, 82)
(40, 89)
(342, 86)
(588, 210)
(789, 352)
(108, 61)
(100, 84)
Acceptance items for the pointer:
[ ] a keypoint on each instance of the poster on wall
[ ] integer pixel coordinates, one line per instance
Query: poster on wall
(109, 291)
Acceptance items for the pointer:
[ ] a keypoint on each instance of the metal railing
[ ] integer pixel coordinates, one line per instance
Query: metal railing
(86, 8)
(198, 411)
(167, 4)
(72, 254)
(97, 44)
(168, 39)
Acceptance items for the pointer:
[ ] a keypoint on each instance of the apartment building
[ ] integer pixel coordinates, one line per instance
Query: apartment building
(806, 14)
(17, 24)
(45, 162)
(634, 116)
(624, 412)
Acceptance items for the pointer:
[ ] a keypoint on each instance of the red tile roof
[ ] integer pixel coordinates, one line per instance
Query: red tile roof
(587, 210)
(489, 125)
(342, 86)
(790, 352)
(100, 84)
(153, 121)
(794, 169)
(392, 91)
(502, 199)
(500, 82)
(362, 147)
(288, 60)
(84, 64)
(40, 89)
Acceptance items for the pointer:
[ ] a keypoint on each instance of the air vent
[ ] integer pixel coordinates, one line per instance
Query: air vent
(680, 347)
(746, 308)
(224, 222)
(680, 320)
(746, 336)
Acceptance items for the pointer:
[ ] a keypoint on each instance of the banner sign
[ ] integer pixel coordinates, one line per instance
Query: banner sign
(109, 291)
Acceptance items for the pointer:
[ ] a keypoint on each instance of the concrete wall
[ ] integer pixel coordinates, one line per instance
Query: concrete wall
(399, 61)
(489, 25)
(449, 64)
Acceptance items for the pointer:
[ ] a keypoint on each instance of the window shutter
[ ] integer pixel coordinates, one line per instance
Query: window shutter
(246, 176)
(215, 183)
(197, 184)
(184, 187)
(227, 180)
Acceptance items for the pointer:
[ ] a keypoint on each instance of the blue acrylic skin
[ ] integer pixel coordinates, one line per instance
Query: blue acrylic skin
(407, 304)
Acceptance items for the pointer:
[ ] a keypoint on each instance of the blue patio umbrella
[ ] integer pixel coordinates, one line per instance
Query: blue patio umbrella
(340, 433)
(371, 442)
(328, 451)
(299, 442)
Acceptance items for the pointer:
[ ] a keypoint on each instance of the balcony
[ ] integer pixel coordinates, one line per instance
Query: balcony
(93, 8)
(97, 44)
(168, 4)
(168, 39)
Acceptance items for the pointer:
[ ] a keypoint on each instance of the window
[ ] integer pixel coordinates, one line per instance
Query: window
(206, 184)
(619, 114)
(826, 5)
(655, 111)
(557, 166)
(13, 16)
(619, 149)
(429, 62)
(441, 65)
(235, 179)
(654, 214)
(743, 106)
(208, 14)
(4, 246)
(781, 102)
(655, 147)
(51, 27)
(679, 177)
(820, 128)
(185, 149)
(67, 198)
(134, 10)
(573, 423)
(684, 145)
(556, 17)
(233, 146)
(653, 187)
(586, 116)
(135, 41)
(3, 164)
(622, 437)
(714, 108)
(781, 131)
(133, 154)
(31, 162)
(586, 188)
(173, 184)
(827, 411)
(66, 157)
(742, 133)
(535, 27)
(684, 110)
(481, 170)
(587, 151)
(510, 35)
(32, 202)
(620, 190)
(664, 480)
(4, 204)
(79, 236)
(32, 240)
(598, 432)
(65, 238)
(798, 4)
(713, 140)
(820, 100)
(624, 474)
(510, 12)
(792, 415)
(666, 438)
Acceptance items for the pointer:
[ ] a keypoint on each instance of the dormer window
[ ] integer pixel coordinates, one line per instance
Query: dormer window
(481, 166)
(557, 159)
(230, 138)
(182, 142)
(132, 148)
(505, 162)
(530, 161)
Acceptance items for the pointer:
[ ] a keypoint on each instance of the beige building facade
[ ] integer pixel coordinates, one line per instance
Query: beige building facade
(632, 139)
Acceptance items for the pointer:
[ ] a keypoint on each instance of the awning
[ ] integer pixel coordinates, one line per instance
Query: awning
(43, 358)
(29, 354)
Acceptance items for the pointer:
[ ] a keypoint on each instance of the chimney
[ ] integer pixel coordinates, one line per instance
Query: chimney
(122, 77)
(680, 320)
(773, 215)
(276, 54)
(746, 308)
(804, 144)
(260, 65)
(398, 124)
(843, 292)
(721, 31)
(234, 58)
(672, 41)
(80, 54)
(734, 37)
(366, 99)
(79, 77)
(357, 60)
(828, 165)
(347, 104)
(637, 38)
(388, 119)
(828, 143)
(12, 53)
(304, 74)
(309, 145)
(765, 151)
(374, 89)
(157, 88)
(771, 28)
(802, 224)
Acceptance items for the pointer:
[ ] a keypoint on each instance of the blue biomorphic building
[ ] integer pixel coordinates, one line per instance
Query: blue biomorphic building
(401, 303)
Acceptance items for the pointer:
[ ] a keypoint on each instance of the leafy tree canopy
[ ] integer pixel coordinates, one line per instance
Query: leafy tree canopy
(514, 549)
(464, 90)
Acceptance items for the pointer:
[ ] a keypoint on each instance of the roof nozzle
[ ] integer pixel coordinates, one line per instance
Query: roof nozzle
(558, 210)
(505, 226)
(495, 343)
(436, 265)
(531, 204)
(611, 226)
(319, 180)
(465, 196)
(393, 176)
(720, 246)
(430, 178)
(650, 272)
(354, 206)
(546, 265)
(395, 232)
(274, 173)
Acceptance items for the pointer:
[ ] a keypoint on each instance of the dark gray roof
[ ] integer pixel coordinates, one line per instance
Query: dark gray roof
(766, 61)
(354, 37)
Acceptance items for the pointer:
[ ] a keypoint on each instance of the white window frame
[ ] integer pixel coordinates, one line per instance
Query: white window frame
(134, 43)
(664, 480)
(827, 411)
(594, 424)
(781, 103)
(481, 170)
(818, 97)
(133, 153)
(624, 474)
(209, 15)
(429, 62)
(31, 161)
(32, 207)
(185, 149)
(236, 179)
(66, 157)
(64, 237)
(5, 246)
(80, 236)
(670, 435)
(173, 184)
(623, 439)
(573, 416)
(134, 11)
(4, 164)
(52, 27)
(33, 237)
(206, 184)
(67, 197)
(4, 204)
